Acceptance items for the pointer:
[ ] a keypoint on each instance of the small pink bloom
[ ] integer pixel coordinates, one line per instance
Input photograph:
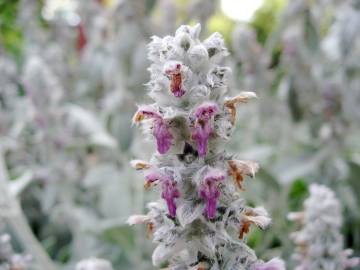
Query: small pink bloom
(206, 110)
(169, 193)
(200, 135)
(152, 176)
(203, 129)
(209, 190)
(169, 188)
(162, 135)
(161, 131)
(273, 264)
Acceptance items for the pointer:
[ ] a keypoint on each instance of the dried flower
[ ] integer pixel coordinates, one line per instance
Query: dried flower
(239, 168)
(173, 70)
(232, 102)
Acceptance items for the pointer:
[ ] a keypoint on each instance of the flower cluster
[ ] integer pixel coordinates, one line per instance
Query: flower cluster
(320, 244)
(201, 208)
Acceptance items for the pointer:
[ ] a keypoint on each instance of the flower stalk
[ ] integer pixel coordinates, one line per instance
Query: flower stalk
(319, 242)
(200, 213)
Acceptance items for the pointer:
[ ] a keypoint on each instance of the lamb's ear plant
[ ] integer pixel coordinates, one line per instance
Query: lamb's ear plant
(319, 242)
(201, 221)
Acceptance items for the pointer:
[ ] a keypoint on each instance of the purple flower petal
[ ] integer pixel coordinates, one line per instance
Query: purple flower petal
(206, 110)
(169, 187)
(161, 131)
(169, 193)
(203, 129)
(200, 135)
(162, 135)
(209, 190)
(145, 112)
(152, 176)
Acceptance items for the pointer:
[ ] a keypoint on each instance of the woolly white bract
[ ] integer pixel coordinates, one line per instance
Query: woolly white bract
(201, 220)
(320, 244)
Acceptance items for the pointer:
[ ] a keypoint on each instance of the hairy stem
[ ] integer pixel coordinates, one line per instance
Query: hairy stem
(17, 222)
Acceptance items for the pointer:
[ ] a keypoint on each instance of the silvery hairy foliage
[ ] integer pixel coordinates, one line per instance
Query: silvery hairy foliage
(57, 146)
(319, 241)
(252, 70)
(9, 259)
(201, 221)
(309, 125)
(320, 83)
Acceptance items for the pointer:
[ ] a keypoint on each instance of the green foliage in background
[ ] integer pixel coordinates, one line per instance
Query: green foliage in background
(266, 18)
(10, 31)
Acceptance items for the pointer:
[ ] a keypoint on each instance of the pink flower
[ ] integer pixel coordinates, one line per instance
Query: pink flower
(203, 129)
(169, 194)
(273, 264)
(206, 110)
(170, 191)
(151, 177)
(161, 131)
(163, 136)
(209, 190)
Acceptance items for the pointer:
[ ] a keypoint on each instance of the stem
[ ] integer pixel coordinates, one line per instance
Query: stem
(19, 224)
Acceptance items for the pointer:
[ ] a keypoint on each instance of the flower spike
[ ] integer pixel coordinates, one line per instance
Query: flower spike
(199, 207)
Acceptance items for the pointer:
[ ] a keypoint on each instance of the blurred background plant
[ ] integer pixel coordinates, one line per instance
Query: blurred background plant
(72, 72)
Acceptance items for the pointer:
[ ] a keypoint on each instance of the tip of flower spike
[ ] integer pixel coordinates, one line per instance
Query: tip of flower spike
(193, 31)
